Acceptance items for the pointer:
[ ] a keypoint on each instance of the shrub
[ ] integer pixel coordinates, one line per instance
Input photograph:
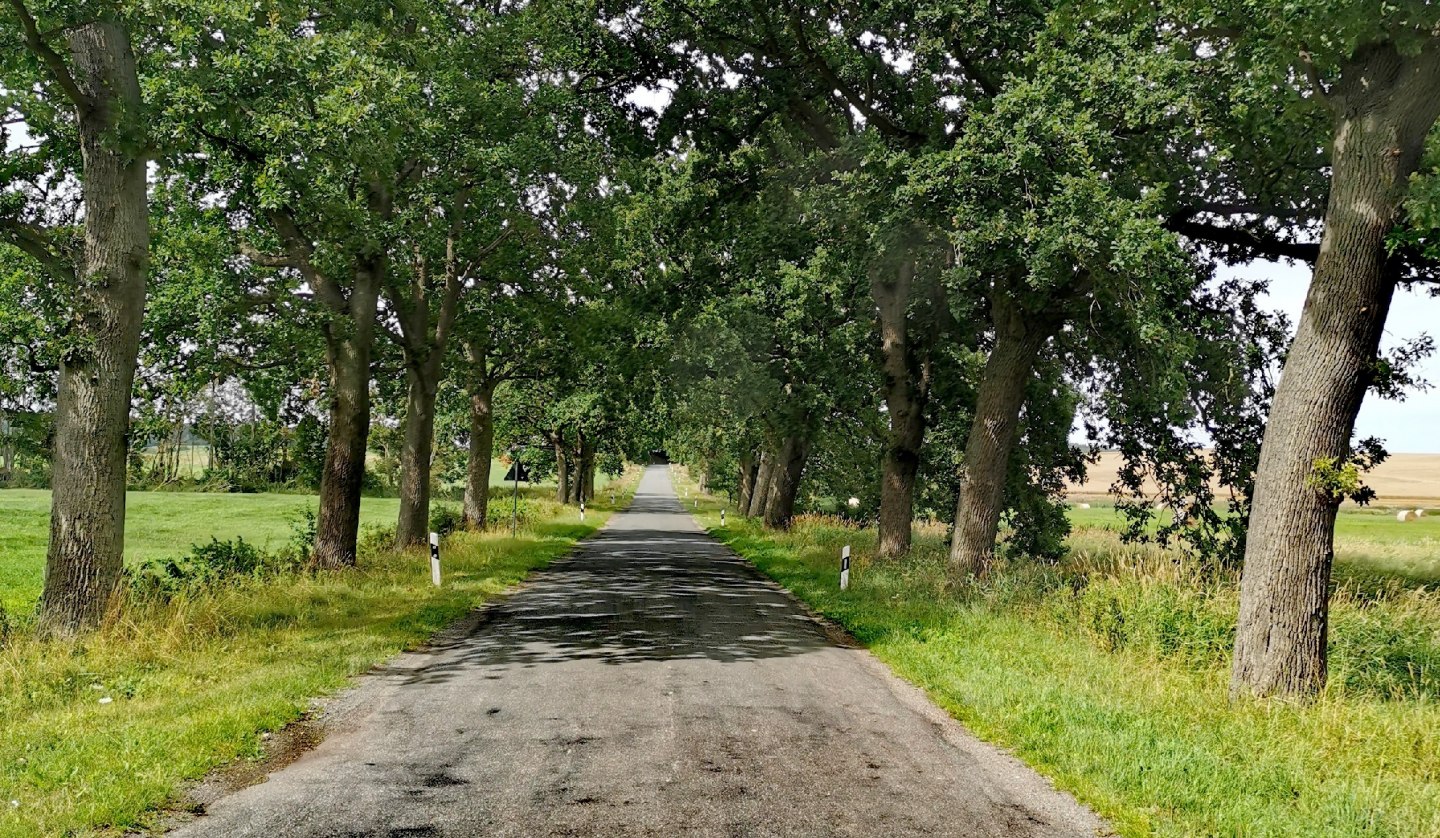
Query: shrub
(375, 539)
(206, 565)
(446, 519)
(304, 527)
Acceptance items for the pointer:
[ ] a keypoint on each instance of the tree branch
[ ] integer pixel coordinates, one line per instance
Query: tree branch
(52, 60)
(35, 243)
(1253, 242)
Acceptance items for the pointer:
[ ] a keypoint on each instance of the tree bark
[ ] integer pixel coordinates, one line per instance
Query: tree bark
(785, 482)
(906, 390)
(92, 411)
(482, 450)
(349, 341)
(1018, 340)
(587, 468)
(1385, 105)
(763, 474)
(416, 453)
(562, 467)
(745, 486)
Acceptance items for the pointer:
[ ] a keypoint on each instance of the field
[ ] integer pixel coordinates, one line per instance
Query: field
(95, 735)
(157, 524)
(1366, 539)
(1108, 673)
(167, 523)
(1402, 480)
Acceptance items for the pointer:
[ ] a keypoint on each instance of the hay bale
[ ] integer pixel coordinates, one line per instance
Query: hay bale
(1084, 506)
(1419, 513)
(1405, 515)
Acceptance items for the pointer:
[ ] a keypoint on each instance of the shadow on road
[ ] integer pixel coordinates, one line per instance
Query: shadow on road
(631, 595)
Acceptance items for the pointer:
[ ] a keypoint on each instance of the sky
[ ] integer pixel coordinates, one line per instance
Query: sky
(1411, 426)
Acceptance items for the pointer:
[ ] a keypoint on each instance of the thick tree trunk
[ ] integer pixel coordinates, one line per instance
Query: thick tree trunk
(1386, 105)
(587, 469)
(482, 450)
(349, 340)
(764, 473)
(413, 524)
(785, 482)
(745, 486)
(906, 389)
(562, 468)
(1018, 341)
(92, 410)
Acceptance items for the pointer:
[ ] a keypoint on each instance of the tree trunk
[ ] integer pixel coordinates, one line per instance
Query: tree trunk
(764, 473)
(906, 389)
(580, 490)
(746, 484)
(1018, 340)
(785, 482)
(413, 524)
(1386, 105)
(349, 341)
(562, 468)
(92, 410)
(482, 450)
(587, 468)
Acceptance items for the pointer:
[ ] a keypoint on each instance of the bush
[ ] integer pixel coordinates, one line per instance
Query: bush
(304, 527)
(375, 539)
(206, 565)
(446, 519)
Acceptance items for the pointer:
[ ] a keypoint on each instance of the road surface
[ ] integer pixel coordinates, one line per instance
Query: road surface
(650, 684)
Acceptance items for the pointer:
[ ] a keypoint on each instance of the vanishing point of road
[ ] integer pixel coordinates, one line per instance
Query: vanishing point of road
(650, 684)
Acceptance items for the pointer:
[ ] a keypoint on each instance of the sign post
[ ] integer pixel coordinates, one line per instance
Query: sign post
(582, 511)
(435, 558)
(722, 517)
(845, 568)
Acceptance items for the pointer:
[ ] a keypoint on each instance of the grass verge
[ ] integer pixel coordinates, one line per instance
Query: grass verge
(1110, 678)
(97, 735)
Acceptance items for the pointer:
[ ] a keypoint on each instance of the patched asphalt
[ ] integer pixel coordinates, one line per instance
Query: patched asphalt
(651, 684)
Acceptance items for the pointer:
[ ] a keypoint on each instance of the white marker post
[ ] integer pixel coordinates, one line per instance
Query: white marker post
(435, 558)
(845, 568)
(582, 511)
(722, 517)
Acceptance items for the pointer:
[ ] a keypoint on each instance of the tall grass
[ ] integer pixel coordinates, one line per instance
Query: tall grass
(1108, 672)
(97, 733)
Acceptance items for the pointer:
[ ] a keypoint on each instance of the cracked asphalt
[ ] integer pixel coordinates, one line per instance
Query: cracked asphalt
(651, 684)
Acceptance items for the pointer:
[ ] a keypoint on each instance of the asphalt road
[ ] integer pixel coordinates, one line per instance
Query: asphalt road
(651, 684)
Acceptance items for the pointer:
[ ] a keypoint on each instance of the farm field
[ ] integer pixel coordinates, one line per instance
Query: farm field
(1402, 480)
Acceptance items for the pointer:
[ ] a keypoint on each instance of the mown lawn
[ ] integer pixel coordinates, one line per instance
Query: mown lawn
(95, 735)
(1109, 675)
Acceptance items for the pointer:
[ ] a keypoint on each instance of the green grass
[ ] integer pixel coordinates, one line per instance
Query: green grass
(157, 524)
(1366, 540)
(196, 682)
(1108, 674)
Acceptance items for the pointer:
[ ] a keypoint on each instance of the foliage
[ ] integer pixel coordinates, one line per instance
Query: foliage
(206, 565)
